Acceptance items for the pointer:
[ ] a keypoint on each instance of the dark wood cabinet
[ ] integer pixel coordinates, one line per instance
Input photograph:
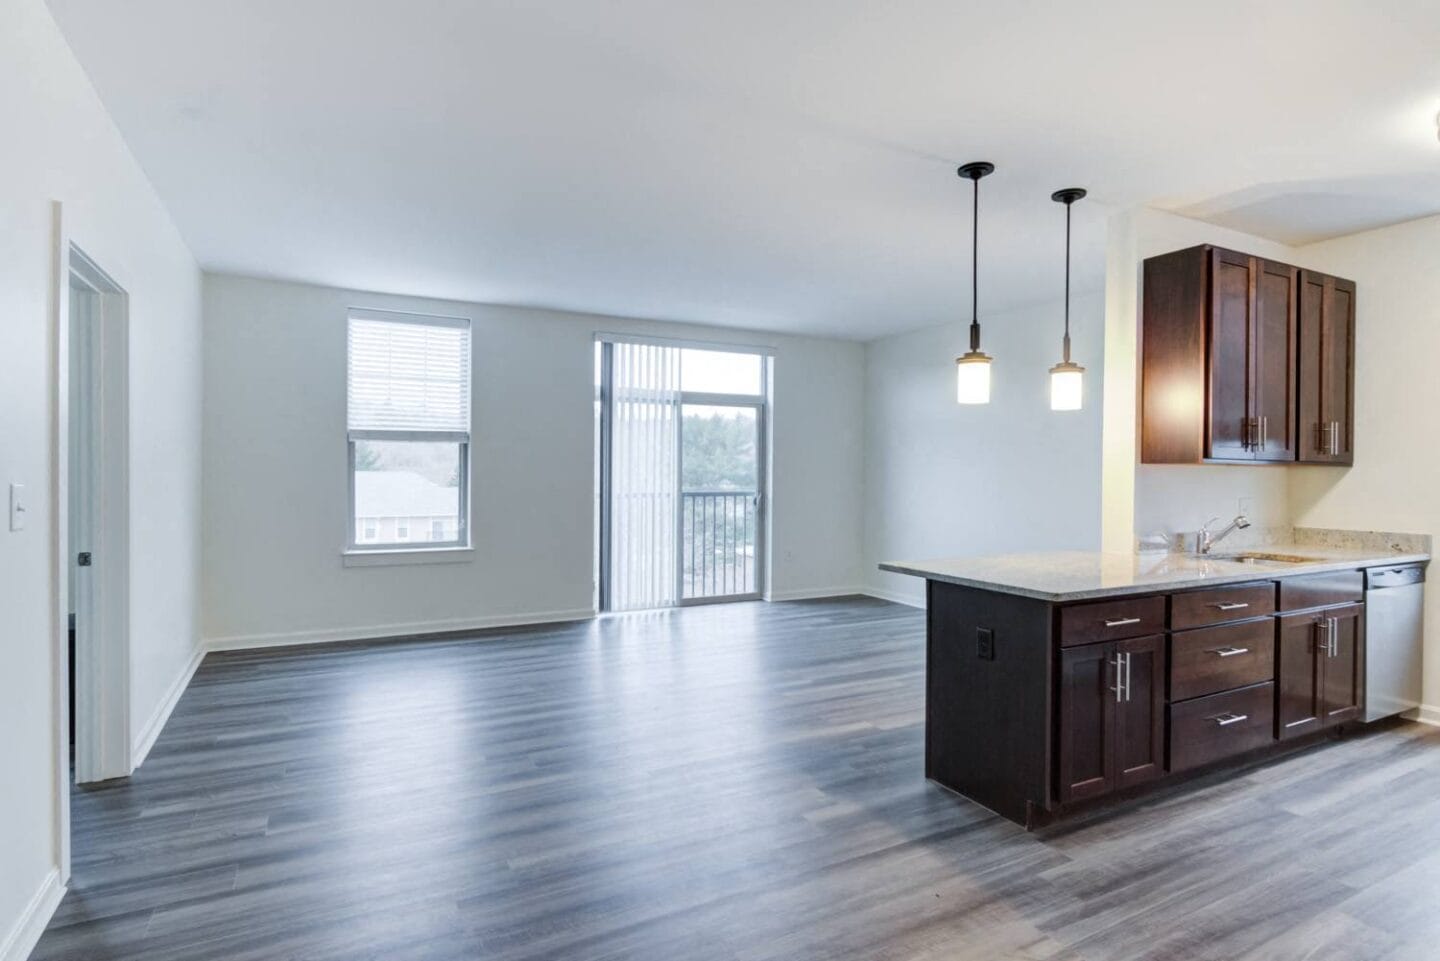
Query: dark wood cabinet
(1112, 716)
(1326, 385)
(1321, 670)
(1227, 376)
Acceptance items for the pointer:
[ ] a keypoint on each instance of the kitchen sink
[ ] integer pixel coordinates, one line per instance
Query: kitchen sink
(1261, 557)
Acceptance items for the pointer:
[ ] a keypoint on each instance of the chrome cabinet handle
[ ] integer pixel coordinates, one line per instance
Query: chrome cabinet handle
(1334, 637)
(1230, 651)
(1127, 677)
(1226, 719)
(1334, 437)
(1232, 606)
(1122, 621)
(1119, 687)
(1264, 430)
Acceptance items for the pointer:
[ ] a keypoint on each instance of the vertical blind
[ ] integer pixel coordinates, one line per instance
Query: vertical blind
(644, 476)
(408, 373)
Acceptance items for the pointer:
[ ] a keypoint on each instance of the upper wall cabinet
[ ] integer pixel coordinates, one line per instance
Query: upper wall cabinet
(1327, 369)
(1225, 366)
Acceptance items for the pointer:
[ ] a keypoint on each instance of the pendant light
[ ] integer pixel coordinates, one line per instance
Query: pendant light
(972, 370)
(1067, 379)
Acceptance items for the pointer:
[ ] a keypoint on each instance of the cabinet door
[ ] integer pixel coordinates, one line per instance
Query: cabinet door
(1327, 369)
(1139, 736)
(1302, 644)
(1342, 690)
(1229, 423)
(1087, 717)
(1273, 428)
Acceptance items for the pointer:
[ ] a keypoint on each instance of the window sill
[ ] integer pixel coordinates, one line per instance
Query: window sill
(395, 557)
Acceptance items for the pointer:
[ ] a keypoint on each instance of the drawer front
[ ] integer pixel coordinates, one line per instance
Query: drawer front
(1214, 659)
(1220, 604)
(1111, 620)
(1212, 728)
(1321, 590)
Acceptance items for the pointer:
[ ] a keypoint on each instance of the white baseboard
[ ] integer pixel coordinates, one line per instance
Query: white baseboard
(145, 740)
(22, 937)
(335, 635)
(1427, 714)
(814, 593)
(894, 597)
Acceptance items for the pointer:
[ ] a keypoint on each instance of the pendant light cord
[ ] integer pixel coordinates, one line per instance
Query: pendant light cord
(975, 269)
(1067, 281)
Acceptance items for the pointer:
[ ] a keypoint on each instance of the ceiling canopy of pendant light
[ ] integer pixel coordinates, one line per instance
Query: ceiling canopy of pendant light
(972, 369)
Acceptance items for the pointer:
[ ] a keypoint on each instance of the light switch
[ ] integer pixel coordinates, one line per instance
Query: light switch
(17, 507)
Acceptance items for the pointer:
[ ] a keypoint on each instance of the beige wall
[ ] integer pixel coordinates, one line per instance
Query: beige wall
(1395, 483)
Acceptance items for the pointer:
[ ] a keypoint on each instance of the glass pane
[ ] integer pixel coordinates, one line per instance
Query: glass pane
(720, 474)
(406, 492)
(719, 372)
(718, 449)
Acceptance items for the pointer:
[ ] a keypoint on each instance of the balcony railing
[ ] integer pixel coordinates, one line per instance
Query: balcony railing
(718, 530)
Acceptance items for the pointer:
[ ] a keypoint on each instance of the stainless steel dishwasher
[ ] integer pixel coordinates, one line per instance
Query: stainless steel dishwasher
(1394, 637)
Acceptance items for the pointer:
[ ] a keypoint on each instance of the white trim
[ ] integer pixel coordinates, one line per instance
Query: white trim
(407, 317)
(684, 343)
(60, 536)
(25, 934)
(1426, 714)
(894, 597)
(246, 642)
(140, 750)
(811, 593)
(387, 557)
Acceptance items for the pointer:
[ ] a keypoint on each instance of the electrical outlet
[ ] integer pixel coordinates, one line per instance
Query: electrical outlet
(985, 643)
(18, 509)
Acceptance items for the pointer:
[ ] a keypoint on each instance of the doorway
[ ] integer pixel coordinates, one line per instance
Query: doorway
(682, 473)
(95, 541)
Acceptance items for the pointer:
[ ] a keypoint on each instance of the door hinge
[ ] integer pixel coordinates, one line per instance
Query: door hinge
(83, 559)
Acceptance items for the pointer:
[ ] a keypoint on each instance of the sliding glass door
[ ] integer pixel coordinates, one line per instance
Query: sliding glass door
(721, 446)
(681, 474)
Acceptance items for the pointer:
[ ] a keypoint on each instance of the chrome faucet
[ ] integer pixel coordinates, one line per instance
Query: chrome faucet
(1204, 540)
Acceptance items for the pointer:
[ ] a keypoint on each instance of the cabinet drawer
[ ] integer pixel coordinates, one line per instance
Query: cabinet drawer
(1111, 620)
(1211, 728)
(1321, 590)
(1214, 659)
(1219, 604)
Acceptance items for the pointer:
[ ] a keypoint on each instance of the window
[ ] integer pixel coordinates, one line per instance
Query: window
(408, 427)
(437, 529)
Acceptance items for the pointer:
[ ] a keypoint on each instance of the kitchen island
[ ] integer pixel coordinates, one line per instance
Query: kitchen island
(1055, 680)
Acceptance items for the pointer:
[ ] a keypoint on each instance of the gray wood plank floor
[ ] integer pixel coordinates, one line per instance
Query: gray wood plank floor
(737, 782)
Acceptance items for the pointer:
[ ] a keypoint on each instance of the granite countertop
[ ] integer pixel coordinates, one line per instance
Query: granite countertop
(1079, 575)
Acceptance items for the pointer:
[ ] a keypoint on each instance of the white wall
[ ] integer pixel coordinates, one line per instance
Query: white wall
(1143, 499)
(944, 479)
(275, 468)
(1395, 483)
(61, 145)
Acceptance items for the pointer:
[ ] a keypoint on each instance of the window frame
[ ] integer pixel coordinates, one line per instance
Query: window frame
(354, 546)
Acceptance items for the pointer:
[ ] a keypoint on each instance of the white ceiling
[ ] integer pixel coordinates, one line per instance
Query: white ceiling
(780, 164)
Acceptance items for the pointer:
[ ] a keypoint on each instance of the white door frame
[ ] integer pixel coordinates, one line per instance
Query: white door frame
(102, 662)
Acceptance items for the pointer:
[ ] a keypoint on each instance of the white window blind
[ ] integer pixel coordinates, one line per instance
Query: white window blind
(408, 373)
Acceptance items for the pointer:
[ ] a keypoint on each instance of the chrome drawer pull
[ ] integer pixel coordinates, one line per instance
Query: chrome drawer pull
(1225, 720)
(1230, 651)
(1122, 622)
(1232, 606)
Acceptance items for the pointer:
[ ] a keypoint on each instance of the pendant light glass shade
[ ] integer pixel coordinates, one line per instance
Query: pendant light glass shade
(972, 369)
(1067, 386)
(1067, 379)
(972, 378)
